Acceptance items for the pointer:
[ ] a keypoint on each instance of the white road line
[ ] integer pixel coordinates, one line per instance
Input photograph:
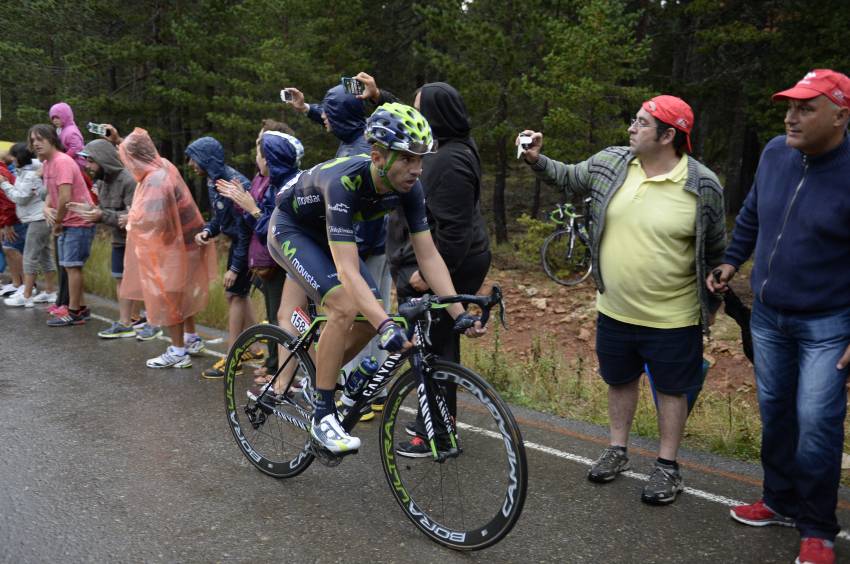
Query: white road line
(708, 496)
(208, 352)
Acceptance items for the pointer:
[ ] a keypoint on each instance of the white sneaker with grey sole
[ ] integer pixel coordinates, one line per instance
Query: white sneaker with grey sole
(170, 359)
(330, 434)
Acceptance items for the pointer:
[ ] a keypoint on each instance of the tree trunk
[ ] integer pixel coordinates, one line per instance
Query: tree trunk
(734, 190)
(499, 215)
(535, 200)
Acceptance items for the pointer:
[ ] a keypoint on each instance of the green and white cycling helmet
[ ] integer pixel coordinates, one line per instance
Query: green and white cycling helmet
(399, 127)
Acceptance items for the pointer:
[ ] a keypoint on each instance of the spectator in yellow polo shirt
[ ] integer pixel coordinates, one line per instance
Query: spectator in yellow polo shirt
(657, 230)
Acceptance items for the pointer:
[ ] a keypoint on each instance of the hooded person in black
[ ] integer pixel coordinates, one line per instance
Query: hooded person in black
(452, 181)
(451, 178)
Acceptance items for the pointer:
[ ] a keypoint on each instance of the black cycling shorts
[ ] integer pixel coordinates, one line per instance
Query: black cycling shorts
(306, 257)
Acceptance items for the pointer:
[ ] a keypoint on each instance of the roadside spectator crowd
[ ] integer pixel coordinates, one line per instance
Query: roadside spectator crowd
(658, 241)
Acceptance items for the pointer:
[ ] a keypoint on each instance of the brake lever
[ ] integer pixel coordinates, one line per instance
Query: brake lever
(426, 335)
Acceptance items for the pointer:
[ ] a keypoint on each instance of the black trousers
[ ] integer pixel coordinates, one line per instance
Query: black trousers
(445, 343)
(272, 288)
(63, 295)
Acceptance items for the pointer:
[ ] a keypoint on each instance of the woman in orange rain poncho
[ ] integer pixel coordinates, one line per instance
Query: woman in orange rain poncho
(163, 265)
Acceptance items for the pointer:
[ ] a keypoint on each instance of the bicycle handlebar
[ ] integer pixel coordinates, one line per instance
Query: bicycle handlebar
(415, 308)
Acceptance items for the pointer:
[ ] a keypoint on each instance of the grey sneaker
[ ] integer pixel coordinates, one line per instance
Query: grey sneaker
(665, 483)
(195, 346)
(148, 332)
(608, 465)
(117, 331)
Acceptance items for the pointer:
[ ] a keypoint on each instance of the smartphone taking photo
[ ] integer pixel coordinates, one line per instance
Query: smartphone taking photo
(98, 129)
(523, 145)
(286, 96)
(352, 85)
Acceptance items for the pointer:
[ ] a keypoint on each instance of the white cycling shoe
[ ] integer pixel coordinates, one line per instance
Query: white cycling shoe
(330, 434)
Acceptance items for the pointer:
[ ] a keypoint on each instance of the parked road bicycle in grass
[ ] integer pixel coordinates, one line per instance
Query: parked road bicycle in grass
(566, 254)
(467, 495)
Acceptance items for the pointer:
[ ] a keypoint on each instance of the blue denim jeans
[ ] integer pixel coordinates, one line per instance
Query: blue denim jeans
(803, 401)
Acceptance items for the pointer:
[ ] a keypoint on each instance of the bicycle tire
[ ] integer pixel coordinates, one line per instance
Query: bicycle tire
(561, 269)
(270, 442)
(487, 433)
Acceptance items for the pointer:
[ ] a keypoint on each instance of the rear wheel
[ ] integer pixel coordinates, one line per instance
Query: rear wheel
(562, 264)
(272, 432)
(469, 501)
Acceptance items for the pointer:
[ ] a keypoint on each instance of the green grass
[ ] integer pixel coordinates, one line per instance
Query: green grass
(98, 280)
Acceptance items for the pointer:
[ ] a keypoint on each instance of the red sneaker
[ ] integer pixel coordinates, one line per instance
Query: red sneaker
(815, 551)
(759, 515)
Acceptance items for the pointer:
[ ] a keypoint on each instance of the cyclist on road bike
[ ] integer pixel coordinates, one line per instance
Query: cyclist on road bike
(313, 228)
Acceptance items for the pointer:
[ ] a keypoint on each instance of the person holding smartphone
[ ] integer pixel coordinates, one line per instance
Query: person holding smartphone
(658, 228)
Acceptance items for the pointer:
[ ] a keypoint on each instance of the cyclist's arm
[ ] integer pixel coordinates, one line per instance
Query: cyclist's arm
(433, 269)
(347, 263)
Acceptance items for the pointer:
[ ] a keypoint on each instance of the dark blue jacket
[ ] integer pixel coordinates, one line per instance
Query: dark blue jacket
(226, 217)
(797, 220)
(347, 117)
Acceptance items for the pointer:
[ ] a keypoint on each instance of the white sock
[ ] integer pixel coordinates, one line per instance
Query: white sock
(189, 337)
(179, 351)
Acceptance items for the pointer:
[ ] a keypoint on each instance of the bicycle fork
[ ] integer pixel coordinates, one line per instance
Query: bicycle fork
(426, 391)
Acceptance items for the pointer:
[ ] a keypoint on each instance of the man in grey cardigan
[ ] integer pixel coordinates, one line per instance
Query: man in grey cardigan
(657, 229)
(115, 187)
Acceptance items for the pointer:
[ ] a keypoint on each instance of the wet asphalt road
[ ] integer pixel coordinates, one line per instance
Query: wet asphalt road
(104, 460)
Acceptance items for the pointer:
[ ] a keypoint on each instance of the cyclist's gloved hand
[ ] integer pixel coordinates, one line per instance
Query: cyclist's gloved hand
(392, 338)
(466, 321)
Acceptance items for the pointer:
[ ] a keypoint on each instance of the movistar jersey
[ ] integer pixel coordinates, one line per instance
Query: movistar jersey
(333, 196)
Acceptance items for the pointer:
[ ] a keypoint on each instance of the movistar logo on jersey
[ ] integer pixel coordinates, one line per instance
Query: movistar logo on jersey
(287, 251)
(309, 199)
(351, 185)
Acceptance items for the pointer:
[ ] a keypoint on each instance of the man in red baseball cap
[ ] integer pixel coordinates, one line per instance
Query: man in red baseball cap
(794, 223)
(657, 229)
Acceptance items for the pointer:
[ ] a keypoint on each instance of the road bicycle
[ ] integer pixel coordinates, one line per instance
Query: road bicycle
(467, 495)
(566, 254)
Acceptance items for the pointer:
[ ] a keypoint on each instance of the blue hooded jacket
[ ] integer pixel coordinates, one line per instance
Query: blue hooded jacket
(226, 217)
(283, 155)
(347, 117)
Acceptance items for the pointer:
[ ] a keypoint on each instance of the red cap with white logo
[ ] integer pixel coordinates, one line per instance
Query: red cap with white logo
(826, 82)
(674, 111)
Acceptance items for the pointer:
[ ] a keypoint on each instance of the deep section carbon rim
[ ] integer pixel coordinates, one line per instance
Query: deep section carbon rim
(470, 501)
(273, 432)
(563, 267)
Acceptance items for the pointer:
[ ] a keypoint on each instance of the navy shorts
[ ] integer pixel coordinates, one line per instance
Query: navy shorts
(307, 258)
(75, 246)
(674, 356)
(243, 280)
(20, 238)
(118, 261)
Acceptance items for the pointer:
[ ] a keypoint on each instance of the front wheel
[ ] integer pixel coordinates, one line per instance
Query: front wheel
(566, 259)
(469, 501)
(272, 432)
